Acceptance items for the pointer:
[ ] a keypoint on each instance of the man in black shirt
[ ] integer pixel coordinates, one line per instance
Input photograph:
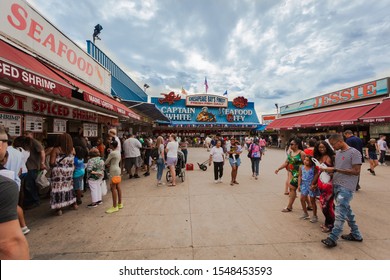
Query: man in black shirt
(357, 143)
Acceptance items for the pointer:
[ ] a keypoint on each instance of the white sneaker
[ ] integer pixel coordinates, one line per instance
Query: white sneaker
(384, 164)
(220, 180)
(216, 181)
(314, 219)
(25, 230)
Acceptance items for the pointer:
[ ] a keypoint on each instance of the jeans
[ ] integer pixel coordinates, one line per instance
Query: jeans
(185, 152)
(382, 158)
(343, 212)
(31, 194)
(160, 168)
(218, 170)
(255, 165)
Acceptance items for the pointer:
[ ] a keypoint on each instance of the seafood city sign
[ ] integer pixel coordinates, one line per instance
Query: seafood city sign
(22, 24)
(367, 90)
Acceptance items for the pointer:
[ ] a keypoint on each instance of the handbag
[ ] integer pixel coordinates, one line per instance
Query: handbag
(42, 181)
(250, 152)
(324, 176)
(103, 185)
(116, 179)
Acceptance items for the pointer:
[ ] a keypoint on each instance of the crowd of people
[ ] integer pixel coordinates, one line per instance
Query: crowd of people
(329, 169)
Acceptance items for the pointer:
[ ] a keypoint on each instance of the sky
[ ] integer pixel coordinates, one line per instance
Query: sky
(269, 51)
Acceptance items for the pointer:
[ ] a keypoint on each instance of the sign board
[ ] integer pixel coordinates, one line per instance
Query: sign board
(13, 122)
(90, 130)
(59, 126)
(21, 103)
(33, 123)
(22, 24)
(18, 75)
(206, 100)
(367, 90)
(267, 119)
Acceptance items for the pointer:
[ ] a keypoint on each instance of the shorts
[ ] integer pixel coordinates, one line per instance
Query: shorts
(147, 156)
(133, 161)
(372, 155)
(235, 162)
(78, 183)
(306, 191)
(171, 161)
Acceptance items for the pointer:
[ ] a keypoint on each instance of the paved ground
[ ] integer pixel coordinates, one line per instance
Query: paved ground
(202, 220)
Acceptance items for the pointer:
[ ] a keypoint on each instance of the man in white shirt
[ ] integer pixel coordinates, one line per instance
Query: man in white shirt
(382, 144)
(131, 148)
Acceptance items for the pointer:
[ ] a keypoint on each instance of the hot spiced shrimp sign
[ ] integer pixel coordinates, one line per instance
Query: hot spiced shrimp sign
(20, 23)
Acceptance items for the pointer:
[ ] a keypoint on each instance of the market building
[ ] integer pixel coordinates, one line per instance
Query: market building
(203, 114)
(364, 109)
(48, 84)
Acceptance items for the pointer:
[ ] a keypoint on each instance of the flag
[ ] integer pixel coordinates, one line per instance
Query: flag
(183, 91)
(225, 93)
(206, 84)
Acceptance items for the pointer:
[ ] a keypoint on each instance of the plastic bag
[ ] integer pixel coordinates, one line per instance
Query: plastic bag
(324, 176)
(42, 182)
(103, 185)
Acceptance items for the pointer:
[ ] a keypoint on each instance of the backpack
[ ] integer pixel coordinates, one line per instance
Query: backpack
(154, 154)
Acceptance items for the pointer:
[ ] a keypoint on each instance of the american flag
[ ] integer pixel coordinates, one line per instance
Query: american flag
(206, 84)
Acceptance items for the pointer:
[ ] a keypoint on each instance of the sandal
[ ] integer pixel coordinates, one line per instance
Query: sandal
(171, 185)
(231, 184)
(235, 182)
(286, 193)
(329, 242)
(350, 237)
(285, 210)
(326, 230)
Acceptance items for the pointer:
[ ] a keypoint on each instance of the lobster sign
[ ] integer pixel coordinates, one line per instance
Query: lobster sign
(169, 98)
(240, 102)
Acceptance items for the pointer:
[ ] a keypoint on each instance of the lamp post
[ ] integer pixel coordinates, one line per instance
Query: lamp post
(146, 86)
(96, 32)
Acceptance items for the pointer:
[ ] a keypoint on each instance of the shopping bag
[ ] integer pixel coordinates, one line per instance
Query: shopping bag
(324, 176)
(103, 185)
(42, 182)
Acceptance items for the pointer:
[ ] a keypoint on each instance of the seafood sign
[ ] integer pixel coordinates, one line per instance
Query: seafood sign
(169, 98)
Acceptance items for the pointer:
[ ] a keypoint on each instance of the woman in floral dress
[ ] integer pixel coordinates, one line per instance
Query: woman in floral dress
(62, 163)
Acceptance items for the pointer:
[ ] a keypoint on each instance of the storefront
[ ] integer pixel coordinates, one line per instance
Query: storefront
(48, 84)
(335, 112)
(203, 114)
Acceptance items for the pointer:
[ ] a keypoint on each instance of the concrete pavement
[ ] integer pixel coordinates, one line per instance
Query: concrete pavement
(198, 219)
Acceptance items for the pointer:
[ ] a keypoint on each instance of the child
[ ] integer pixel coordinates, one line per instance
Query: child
(95, 173)
(305, 180)
(79, 172)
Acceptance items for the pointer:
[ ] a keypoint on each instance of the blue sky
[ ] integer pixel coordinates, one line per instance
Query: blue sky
(269, 51)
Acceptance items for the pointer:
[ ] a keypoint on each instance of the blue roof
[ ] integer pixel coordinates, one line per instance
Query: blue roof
(123, 92)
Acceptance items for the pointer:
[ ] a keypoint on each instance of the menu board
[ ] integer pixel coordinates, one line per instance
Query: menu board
(59, 126)
(13, 122)
(33, 123)
(90, 130)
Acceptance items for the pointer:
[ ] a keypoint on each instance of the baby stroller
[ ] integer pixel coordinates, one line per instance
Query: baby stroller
(179, 168)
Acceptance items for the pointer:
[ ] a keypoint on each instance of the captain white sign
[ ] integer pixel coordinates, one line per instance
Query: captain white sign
(22, 24)
(206, 100)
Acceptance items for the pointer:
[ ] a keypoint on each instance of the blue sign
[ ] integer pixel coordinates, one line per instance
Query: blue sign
(179, 113)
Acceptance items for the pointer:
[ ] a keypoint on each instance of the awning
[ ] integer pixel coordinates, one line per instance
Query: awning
(19, 67)
(284, 123)
(97, 98)
(148, 109)
(379, 114)
(261, 127)
(340, 117)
